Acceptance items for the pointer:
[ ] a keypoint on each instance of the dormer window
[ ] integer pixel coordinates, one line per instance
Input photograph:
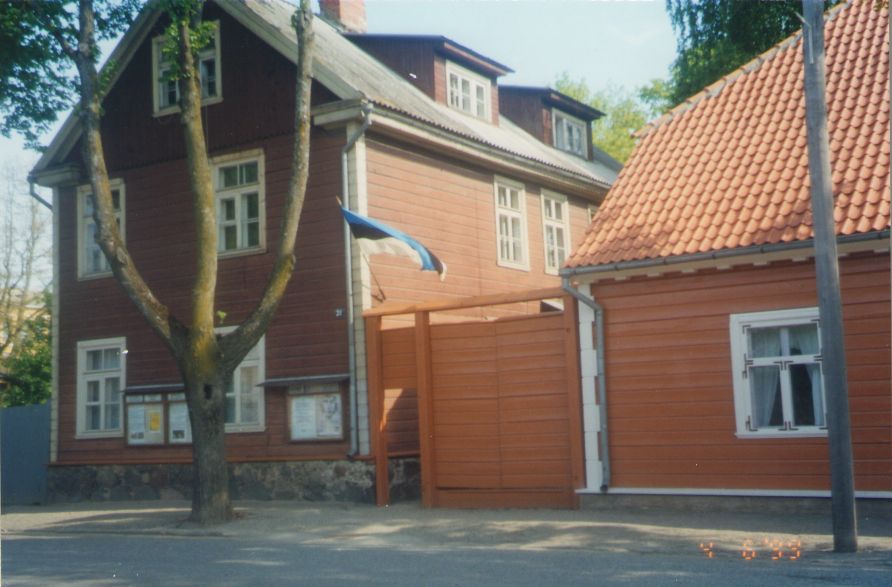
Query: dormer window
(467, 91)
(569, 134)
(166, 97)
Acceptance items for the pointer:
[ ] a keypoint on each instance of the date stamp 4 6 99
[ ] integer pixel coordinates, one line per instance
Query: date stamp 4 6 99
(775, 549)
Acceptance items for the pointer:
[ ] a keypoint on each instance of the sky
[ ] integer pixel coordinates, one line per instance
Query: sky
(620, 42)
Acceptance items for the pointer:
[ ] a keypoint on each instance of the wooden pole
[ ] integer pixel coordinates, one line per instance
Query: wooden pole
(424, 386)
(377, 413)
(842, 478)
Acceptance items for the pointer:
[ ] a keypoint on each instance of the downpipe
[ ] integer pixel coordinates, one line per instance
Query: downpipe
(601, 377)
(365, 112)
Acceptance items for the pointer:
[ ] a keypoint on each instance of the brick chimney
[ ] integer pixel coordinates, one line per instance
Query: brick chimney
(349, 15)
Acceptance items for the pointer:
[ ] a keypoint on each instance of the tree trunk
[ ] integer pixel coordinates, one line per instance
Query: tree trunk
(211, 503)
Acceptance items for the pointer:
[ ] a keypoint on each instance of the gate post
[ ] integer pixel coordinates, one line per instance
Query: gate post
(377, 411)
(574, 392)
(424, 380)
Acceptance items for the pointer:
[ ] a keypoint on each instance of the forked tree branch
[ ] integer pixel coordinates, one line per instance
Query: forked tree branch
(238, 343)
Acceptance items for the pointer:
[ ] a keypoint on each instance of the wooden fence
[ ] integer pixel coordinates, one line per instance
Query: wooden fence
(492, 407)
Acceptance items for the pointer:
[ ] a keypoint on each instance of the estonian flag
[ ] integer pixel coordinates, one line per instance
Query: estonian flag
(375, 237)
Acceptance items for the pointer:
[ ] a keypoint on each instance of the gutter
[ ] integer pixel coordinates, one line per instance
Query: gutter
(365, 113)
(31, 183)
(603, 449)
(717, 255)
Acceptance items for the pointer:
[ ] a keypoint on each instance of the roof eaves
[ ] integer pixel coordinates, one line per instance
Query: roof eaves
(715, 255)
(120, 56)
(578, 174)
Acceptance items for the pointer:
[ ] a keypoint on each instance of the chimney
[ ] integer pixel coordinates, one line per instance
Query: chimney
(348, 15)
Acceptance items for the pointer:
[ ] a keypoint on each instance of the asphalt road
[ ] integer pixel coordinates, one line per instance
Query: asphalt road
(319, 545)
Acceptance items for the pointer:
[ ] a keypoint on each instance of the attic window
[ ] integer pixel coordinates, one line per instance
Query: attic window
(467, 91)
(569, 134)
(166, 97)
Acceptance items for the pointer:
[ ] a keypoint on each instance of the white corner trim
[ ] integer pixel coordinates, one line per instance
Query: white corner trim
(54, 382)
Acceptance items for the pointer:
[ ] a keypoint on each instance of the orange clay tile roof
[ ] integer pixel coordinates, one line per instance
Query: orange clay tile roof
(729, 168)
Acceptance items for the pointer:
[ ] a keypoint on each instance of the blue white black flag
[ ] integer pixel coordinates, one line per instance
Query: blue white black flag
(375, 237)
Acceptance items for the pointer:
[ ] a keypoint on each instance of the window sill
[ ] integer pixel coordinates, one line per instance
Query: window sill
(92, 276)
(241, 252)
(176, 109)
(235, 429)
(514, 266)
(99, 435)
(782, 434)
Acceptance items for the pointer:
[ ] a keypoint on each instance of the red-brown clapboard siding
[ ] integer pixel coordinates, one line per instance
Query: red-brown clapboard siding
(412, 60)
(527, 111)
(450, 208)
(669, 379)
(305, 339)
(258, 88)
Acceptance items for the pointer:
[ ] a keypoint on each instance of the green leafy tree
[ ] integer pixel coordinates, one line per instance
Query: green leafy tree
(27, 369)
(205, 361)
(624, 113)
(714, 37)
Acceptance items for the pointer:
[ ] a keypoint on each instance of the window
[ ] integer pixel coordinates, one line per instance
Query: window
(556, 230)
(592, 210)
(569, 134)
(776, 357)
(240, 204)
(167, 92)
(511, 224)
(91, 260)
(244, 395)
(468, 91)
(100, 379)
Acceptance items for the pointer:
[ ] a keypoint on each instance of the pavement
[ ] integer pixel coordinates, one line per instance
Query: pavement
(405, 524)
(621, 539)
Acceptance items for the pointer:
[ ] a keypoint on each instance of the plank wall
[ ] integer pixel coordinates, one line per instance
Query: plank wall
(306, 337)
(450, 207)
(670, 393)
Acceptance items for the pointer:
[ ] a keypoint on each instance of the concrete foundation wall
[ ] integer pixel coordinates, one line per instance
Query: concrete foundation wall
(306, 480)
(712, 503)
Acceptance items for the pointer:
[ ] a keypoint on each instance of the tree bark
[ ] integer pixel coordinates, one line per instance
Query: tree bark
(205, 396)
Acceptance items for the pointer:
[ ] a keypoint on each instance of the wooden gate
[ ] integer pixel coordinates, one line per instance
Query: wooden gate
(493, 405)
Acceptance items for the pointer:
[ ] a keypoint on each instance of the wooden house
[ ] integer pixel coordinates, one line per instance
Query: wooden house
(706, 377)
(406, 130)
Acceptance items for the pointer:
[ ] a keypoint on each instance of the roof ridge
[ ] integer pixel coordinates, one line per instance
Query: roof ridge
(716, 87)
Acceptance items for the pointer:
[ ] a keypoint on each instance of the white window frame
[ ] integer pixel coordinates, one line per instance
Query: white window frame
(239, 193)
(552, 224)
(592, 210)
(474, 81)
(741, 362)
(84, 377)
(256, 357)
(511, 213)
(563, 119)
(158, 63)
(84, 222)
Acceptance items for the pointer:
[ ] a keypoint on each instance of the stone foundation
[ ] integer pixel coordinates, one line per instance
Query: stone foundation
(304, 480)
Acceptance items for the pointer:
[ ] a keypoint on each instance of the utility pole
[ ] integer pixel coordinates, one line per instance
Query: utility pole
(842, 477)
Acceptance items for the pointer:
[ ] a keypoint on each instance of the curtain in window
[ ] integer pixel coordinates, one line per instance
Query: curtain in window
(766, 396)
(803, 339)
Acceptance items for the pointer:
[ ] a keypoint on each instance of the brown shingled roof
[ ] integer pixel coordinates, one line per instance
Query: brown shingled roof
(729, 168)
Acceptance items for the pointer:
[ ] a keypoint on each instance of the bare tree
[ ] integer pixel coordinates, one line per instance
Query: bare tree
(24, 256)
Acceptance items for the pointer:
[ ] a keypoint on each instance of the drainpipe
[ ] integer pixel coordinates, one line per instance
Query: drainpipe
(601, 377)
(365, 111)
(35, 195)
